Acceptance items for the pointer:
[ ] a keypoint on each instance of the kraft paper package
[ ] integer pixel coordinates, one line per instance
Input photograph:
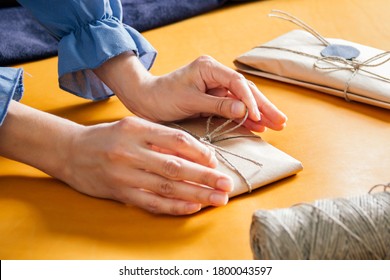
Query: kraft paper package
(303, 57)
(248, 159)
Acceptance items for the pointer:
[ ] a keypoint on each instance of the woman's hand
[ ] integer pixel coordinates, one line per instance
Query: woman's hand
(134, 161)
(160, 169)
(205, 86)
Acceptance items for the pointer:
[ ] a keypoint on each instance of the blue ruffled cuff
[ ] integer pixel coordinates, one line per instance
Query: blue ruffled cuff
(90, 46)
(11, 87)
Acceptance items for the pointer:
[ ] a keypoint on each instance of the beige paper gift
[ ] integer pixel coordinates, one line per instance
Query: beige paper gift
(296, 58)
(244, 156)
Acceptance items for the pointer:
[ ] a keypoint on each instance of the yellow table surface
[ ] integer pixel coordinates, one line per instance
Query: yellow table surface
(343, 146)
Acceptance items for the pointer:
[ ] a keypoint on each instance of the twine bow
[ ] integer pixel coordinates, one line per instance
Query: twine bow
(333, 62)
(339, 63)
(213, 136)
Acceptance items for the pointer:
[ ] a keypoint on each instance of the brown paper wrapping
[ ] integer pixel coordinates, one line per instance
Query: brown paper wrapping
(276, 164)
(292, 67)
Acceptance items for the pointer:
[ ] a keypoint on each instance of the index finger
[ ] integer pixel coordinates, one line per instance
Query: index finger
(272, 116)
(217, 74)
(182, 144)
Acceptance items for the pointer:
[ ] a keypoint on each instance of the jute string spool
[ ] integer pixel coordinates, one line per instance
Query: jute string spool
(332, 229)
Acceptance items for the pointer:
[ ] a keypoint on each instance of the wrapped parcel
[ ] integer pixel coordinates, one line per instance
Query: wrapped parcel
(243, 155)
(297, 57)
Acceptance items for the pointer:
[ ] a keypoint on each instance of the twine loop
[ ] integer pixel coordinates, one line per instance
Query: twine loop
(386, 187)
(334, 62)
(213, 136)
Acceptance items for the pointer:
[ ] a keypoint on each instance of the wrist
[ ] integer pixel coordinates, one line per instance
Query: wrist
(37, 138)
(127, 78)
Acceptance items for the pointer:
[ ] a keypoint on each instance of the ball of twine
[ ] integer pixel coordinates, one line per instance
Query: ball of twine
(332, 229)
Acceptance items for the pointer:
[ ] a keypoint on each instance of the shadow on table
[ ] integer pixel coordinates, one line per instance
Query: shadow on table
(65, 211)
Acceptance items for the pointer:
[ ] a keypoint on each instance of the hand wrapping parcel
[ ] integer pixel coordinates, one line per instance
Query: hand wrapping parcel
(244, 156)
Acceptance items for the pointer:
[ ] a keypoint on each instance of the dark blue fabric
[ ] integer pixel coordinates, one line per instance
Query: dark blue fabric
(23, 39)
(8, 3)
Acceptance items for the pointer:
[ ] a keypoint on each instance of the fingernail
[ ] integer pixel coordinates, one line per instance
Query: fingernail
(238, 109)
(258, 115)
(218, 199)
(225, 184)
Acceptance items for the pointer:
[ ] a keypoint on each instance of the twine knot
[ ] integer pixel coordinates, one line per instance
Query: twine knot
(213, 136)
(205, 139)
(353, 65)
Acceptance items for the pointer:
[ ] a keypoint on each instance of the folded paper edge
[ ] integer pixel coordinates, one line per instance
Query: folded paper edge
(339, 93)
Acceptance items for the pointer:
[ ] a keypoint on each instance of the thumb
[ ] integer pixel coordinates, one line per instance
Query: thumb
(223, 106)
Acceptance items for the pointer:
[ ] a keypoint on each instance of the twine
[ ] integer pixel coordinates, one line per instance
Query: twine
(353, 228)
(213, 136)
(332, 62)
(288, 17)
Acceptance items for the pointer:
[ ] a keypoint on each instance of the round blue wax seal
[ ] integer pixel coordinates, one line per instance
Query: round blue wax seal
(343, 51)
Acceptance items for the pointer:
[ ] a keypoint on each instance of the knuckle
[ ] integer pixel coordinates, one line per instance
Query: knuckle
(205, 61)
(207, 178)
(125, 123)
(206, 153)
(238, 76)
(153, 206)
(148, 129)
(166, 188)
(181, 138)
(175, 210)
(133, 125)
(219, 105)
(171, 168)
(200, 195)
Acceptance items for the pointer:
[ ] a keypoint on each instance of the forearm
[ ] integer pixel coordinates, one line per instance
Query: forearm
(36, 138)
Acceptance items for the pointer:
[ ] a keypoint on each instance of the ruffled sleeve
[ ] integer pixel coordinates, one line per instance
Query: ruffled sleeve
(11, 87)
(89, 32)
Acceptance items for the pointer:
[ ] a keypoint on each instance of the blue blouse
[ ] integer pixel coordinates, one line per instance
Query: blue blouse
(89, 32)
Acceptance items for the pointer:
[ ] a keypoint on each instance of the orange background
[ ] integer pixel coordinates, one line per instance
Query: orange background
(343, 146)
